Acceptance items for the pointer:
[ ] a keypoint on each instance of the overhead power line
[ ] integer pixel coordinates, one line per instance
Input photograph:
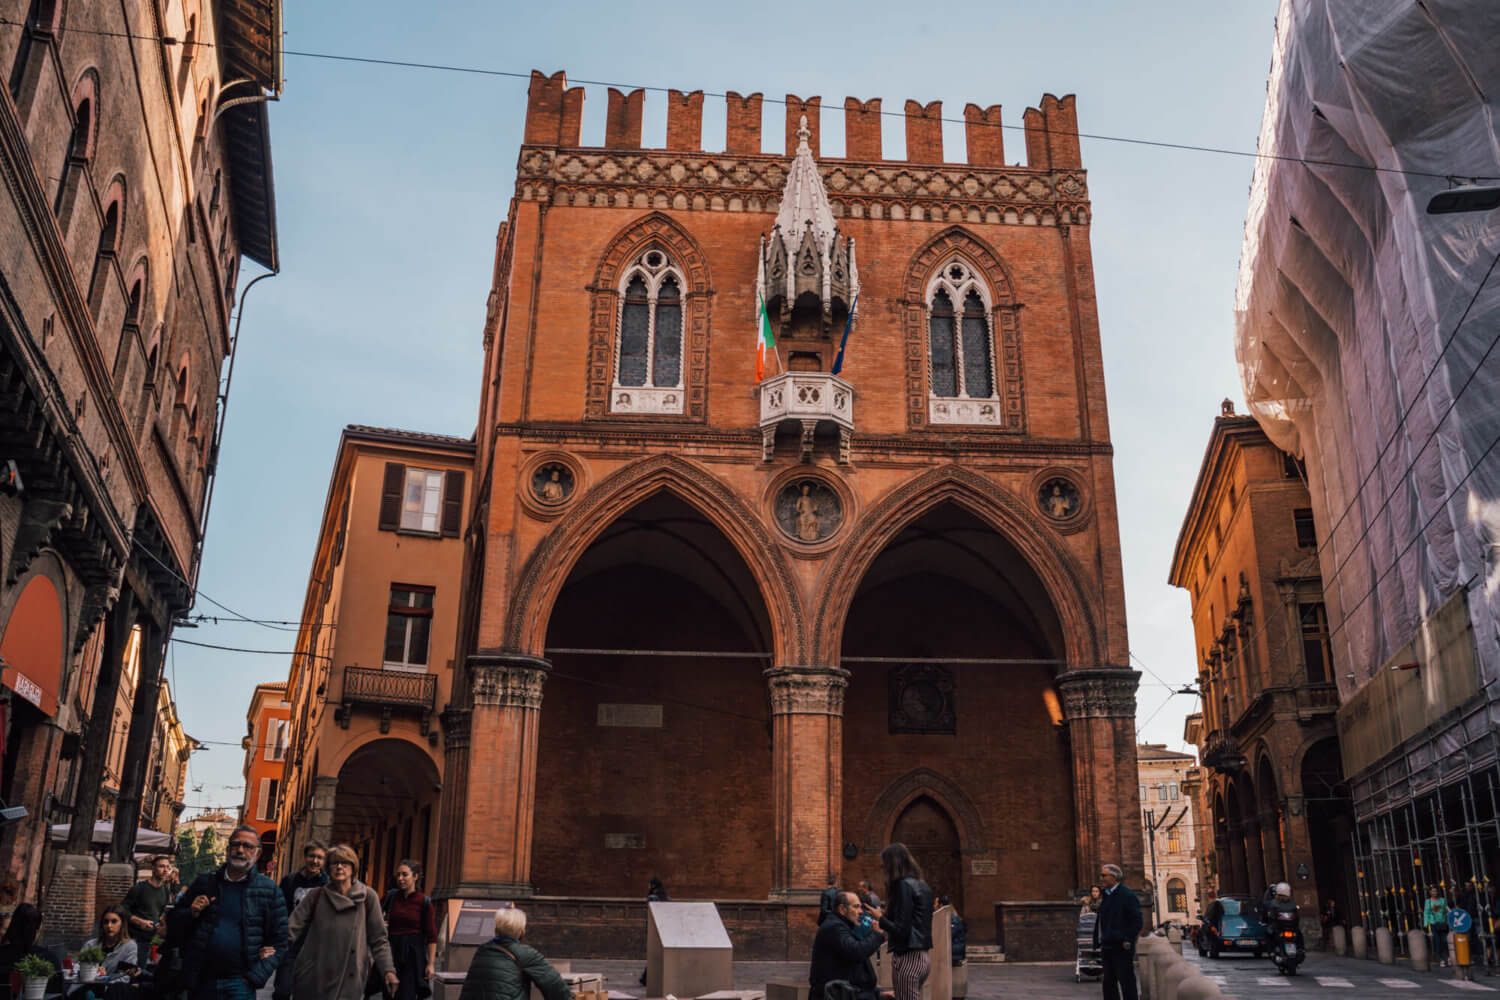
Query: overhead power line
(512, 74)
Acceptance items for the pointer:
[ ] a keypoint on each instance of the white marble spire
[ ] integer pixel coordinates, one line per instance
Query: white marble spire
(804, 202)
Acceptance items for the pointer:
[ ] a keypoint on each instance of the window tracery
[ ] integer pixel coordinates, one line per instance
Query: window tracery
(648, 340)
(960, 347)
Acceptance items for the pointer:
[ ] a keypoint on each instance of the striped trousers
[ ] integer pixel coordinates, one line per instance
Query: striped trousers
(908, 973)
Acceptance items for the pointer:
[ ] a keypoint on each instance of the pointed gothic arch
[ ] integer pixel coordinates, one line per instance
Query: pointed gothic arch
(1002, 407)
(1081, 621)
(913, 785)
(654, 230)
(547, 569)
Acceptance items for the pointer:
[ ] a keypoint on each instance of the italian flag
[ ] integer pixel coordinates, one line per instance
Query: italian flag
(765, 340)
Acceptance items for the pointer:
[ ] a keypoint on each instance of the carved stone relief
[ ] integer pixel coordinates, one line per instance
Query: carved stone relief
(921, 699)
(808, 510)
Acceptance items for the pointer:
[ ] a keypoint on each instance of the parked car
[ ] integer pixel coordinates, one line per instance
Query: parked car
(1232, 924)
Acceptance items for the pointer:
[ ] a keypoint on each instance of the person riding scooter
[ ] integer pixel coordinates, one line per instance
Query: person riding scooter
(1287, 948)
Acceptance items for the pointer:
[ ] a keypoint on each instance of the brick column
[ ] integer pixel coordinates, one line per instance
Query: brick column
(71, 901)
(500, 803)
(1099, 710)
(1255, 869)
(807, 777)
(115, 880)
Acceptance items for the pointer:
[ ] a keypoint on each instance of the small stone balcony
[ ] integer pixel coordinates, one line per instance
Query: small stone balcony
(808, 402)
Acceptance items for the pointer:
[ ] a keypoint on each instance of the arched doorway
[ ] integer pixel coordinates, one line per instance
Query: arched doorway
(387, 793)
(930, 834)
(668, 755)
(952, 644)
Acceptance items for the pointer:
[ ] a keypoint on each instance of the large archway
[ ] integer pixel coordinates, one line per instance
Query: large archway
(386, 796)
(667, 755)
(952, 647)
(1330, 825)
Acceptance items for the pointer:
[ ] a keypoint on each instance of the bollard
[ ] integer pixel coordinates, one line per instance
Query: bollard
(1174, 936)
(1198, 987)
(1461, 956)
(1416, 946)
(1340, 941)
(1147, 952)
(1173, 979)
(1358, 941)
(1385, 946)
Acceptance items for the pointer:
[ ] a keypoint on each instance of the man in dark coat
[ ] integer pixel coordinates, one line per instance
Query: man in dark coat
(231, 926)
(840, 953)
(1115, 934)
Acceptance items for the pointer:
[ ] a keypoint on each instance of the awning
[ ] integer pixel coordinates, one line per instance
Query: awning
(33, 646)
(146, 841)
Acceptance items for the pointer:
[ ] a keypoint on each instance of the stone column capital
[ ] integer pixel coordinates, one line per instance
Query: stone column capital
(455, 726)
(807, 690)
(508, 680)
(1098, 692)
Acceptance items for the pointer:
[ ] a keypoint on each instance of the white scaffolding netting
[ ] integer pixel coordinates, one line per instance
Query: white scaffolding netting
(1365, 329)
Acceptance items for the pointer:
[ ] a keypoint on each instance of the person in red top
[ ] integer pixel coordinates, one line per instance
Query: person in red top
(412, 928)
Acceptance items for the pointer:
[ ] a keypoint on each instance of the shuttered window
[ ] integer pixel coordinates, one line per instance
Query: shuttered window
(428, 501)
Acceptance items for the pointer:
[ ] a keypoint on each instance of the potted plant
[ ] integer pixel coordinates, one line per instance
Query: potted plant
(35, 971)
(89, 962)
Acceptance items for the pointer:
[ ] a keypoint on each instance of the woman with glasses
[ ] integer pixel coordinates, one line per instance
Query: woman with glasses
(338, 934)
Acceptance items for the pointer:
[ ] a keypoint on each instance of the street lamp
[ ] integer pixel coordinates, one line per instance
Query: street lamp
(1465, 198)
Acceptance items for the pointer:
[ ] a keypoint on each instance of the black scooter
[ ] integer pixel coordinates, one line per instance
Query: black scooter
(1286, 949)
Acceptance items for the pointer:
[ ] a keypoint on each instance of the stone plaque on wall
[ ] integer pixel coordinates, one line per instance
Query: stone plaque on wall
(921, 699)
(984, 866)
(625, 841)
(631, 716)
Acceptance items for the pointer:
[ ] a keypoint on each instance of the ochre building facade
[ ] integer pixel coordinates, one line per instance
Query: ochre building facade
(741, 634)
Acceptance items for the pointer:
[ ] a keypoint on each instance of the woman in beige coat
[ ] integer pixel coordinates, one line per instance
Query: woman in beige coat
(339, 933)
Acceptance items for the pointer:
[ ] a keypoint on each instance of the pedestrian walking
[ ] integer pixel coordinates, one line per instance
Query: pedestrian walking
(230, 924)
(505, 969)
(907, 921)
(1115, 934)
(412, 925)
(1330, 918)
(293, 887)
(1435, 923)
(339, 934)
(145, 905)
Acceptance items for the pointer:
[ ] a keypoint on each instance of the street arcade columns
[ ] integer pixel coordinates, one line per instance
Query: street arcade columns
(807, 753)
(498, 799)
(1099, 710)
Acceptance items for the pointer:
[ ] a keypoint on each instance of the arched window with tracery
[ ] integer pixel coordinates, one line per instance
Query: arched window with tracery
(960, 341)
(648, 342)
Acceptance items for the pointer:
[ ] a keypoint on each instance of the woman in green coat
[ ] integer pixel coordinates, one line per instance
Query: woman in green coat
(504, 968)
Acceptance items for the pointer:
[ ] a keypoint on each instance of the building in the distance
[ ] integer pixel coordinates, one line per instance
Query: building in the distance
(374, 657)
(136, 154)
(1195, 787)
(1246, 555)
(267, 738)
(1367, 318)
(1170, 863)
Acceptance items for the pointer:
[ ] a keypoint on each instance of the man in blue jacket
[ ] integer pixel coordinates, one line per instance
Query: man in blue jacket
(1115, 934)
(231, 926)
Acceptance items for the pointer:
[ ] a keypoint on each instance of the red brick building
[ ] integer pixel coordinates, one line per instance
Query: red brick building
(740, 634)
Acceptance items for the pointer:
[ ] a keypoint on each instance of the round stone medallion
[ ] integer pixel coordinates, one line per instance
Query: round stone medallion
(1059, 498)
(552, 483)
(808, 510)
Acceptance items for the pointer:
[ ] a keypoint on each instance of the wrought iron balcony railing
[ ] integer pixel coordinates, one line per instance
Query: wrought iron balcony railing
(808, 401)
(388, 690)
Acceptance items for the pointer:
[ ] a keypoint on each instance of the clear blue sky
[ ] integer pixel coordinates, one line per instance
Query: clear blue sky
(390, 184)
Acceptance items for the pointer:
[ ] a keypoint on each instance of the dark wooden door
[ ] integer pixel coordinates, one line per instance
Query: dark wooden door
(929, 833)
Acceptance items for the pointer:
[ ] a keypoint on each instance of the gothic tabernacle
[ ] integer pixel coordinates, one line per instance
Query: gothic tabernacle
(739, 632)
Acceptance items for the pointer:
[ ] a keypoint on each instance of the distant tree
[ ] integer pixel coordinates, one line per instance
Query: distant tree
(187, 857)
(210, 854)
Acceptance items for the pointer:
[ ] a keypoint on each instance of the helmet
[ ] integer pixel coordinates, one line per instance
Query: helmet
(1283, 890)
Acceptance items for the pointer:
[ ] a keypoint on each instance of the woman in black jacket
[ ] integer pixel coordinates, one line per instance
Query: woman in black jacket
(907, 921)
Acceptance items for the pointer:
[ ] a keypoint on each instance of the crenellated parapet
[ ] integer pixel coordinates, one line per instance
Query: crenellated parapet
(554, 114)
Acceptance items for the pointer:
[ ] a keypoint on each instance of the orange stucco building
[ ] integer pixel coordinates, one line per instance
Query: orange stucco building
(374, 655)
(267, 738)
(741, 634)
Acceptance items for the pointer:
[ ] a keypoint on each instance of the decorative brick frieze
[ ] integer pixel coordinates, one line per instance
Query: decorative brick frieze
(1098, 693)
(508, 681)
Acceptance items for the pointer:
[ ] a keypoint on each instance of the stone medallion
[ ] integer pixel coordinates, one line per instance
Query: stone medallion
(1058, 498)
(808, 510)
(552, 484)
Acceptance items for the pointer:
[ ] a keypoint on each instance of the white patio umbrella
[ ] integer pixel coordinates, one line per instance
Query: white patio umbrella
(104, 835)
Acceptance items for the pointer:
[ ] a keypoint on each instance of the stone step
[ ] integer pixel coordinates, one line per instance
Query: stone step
(984, 954)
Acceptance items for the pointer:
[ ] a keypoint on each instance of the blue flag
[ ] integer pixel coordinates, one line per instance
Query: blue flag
(838, 362)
